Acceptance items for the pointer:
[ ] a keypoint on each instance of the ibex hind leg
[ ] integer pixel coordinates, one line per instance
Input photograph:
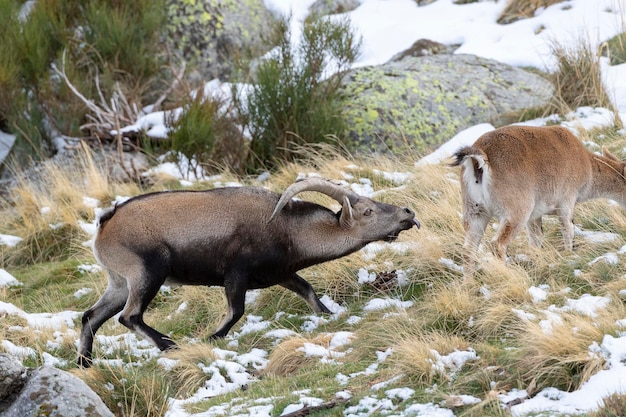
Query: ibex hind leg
(506, 233)
(111, 303)
(142, 289)
(566, 215)
(475, 222)
(534, 229)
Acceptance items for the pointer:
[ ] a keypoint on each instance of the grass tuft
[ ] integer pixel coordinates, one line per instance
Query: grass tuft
(416, 355)
(578, 78)
(290, 356)
(132, 391)
(522, 9)
(187, 375)
(557, 353)
(612, 406)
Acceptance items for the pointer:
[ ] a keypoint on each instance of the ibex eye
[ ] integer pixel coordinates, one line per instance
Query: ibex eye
(367, 212)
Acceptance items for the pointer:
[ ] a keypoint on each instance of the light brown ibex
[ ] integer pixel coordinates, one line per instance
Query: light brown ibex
(520, 173)
(238, 238)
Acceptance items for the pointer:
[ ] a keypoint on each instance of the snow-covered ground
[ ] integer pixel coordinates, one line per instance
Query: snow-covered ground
(389, 27)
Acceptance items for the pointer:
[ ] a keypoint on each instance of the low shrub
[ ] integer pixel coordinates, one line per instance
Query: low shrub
(103, 48)
(206, 135)
(295, 98)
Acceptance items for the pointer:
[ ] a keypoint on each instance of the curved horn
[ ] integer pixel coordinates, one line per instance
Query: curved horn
(320, 185)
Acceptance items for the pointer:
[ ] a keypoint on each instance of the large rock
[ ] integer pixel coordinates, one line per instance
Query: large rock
(325, 7)
(210, 34)
(13, 376)
(421, 102)
(47, 391)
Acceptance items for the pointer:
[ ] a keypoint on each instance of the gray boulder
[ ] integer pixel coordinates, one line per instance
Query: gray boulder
(424, 47)
(6, 143)
(325, 7)
(13, 376)
(420, 102)
(212, 34)
(45, 391)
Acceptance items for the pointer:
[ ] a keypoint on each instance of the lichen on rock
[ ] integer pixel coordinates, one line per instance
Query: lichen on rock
(210, 34)
(419, 103)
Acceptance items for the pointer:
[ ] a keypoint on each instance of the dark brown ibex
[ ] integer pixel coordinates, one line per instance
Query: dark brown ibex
(238, 238)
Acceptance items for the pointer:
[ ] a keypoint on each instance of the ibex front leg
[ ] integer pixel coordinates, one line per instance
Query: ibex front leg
(235, 287)
(301, 287)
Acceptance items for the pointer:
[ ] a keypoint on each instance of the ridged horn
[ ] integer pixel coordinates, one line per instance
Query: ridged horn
(320, 185)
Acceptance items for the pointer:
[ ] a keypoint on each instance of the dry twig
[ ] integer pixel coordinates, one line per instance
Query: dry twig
(305, 411)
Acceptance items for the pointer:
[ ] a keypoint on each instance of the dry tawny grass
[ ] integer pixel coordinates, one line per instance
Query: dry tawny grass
(133, 391)
(448, 312)
(187, 375)
(521, 9)
(57, 192)
(289, 356)
(601, 215)
(48, 208)
(558, 352)
(451, 306)
(578, 77)
(415, 354)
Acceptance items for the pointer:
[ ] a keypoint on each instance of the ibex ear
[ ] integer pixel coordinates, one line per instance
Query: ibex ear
(346, 219)
(607, 154)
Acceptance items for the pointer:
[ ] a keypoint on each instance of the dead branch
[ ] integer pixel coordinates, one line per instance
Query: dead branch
(305, 411)
(106, 115)
(177, 79)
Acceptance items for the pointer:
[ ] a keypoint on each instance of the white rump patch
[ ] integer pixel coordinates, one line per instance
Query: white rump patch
(477, 192)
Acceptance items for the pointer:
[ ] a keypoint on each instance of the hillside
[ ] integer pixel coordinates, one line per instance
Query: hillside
(408, 336)
(540, 334)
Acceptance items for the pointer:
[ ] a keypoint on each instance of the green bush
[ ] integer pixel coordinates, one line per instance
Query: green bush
(122, 39)
(206, 136)
(101, 47)
(291, 102)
